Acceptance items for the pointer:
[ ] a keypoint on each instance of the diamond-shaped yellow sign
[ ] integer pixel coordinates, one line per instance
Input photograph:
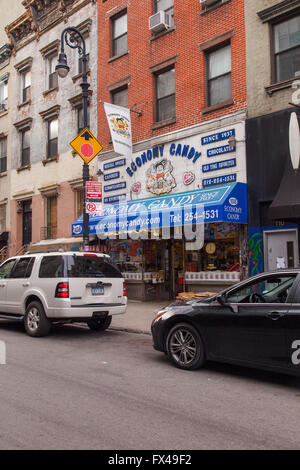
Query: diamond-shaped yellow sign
(86, 145)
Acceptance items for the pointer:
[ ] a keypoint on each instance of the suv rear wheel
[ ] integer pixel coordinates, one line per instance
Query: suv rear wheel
(35, 321)
(99, 325)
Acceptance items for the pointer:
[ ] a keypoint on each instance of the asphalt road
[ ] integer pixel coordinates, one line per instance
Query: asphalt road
(78, 389)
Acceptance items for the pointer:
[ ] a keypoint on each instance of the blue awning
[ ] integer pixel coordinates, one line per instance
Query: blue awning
(227, 203)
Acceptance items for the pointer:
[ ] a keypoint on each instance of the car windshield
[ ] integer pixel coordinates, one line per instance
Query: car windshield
(91, 266)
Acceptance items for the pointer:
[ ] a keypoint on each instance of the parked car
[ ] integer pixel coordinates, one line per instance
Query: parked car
(255, 323)
(61, 287)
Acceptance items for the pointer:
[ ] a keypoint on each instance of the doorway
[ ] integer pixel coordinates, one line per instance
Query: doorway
(27, 222)
(281, 249)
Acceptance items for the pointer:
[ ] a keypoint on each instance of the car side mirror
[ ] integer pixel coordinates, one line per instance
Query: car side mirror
(222, 300)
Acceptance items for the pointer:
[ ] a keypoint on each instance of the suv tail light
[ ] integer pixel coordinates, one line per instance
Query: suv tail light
(124, 289)
(62, 290)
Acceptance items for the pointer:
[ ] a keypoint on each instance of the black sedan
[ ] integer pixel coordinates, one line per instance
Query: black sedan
(255, 323)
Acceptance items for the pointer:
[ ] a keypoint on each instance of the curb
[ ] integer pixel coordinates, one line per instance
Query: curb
(131, 330)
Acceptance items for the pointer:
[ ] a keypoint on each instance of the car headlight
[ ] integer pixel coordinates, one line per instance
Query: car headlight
(159, 314)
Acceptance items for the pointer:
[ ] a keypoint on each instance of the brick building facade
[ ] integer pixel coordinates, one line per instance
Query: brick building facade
(180, 67)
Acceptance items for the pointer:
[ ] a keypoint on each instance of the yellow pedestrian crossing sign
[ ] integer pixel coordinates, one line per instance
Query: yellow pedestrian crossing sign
(86, 145)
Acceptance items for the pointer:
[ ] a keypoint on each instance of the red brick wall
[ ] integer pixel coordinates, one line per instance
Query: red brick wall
(191, 29)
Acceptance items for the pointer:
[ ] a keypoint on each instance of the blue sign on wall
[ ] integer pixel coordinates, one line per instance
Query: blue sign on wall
(217, 137)
(219, 165)
(113, 187)
(112, 176)
(219, 180)
(112, 199)
(115, 164)
(220, 150)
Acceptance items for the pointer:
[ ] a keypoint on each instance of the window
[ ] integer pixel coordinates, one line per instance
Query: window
(91, 266)
(80, 64)
(3, 218)
(23, 268)
(52, 138)
(273, 289)
(51, 217)
(52, 266)
(52, 75)
(6, 269)
(120, 97)
(80, 123)
(287, 49)
(219, 75)
(79, 202)
(26, 86)
(119, 34)
(3, 155)
(166, 5)
(3, 95)
(25, 158)
(165, 95)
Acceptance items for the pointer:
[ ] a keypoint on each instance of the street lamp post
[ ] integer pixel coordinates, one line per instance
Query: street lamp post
(74, 39)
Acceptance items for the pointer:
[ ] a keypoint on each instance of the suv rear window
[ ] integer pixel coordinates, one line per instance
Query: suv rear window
(52, 266)
(91, 266)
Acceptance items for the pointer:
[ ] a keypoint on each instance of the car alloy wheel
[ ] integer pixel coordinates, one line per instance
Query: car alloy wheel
(185, 347)
(33, 319)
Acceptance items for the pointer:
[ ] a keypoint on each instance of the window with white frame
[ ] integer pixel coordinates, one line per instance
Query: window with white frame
(165, 5)
(3, 155)
(119, 33)
(25, 86)
(52, 138)
(87, 50)
(52, 77)
(3, 95)
(218, 72)
(25, 155)
(286, 48)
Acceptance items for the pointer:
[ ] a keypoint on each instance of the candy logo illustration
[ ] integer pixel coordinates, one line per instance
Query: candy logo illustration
(188, 178)
(160, 179)
(120, 126)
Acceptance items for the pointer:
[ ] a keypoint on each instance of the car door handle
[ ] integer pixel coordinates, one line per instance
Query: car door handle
(2, 285)
(275, 315)
(25, 284)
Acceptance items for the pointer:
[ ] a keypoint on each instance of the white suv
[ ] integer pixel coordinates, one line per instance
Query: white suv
(61, 287)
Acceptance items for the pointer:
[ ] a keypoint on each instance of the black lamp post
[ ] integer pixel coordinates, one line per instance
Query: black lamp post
(74, 39)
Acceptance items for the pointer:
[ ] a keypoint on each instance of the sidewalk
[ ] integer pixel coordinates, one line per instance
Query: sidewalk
(138, 317)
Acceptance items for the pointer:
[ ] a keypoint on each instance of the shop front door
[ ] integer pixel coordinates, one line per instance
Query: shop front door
(281, 249)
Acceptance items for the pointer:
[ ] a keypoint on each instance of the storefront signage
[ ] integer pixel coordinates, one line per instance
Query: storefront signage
(115, 164)
(219, 180)
(112, 176)
(224, 203)
(188, 178)
(113, 199)
(219, 165)
(113, 187)
(175, 150)
(220, 150)
(209, 139)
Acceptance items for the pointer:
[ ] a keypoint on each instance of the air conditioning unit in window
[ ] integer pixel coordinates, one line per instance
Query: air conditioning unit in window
(209, 3)
(160, 21)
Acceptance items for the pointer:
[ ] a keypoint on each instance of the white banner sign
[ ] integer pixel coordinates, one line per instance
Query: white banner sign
(118, 119)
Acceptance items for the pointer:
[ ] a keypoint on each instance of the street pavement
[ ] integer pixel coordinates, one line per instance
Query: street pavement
(78, 389)
(138, 317)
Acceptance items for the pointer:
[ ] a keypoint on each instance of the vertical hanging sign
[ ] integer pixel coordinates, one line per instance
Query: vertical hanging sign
(119, 123)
